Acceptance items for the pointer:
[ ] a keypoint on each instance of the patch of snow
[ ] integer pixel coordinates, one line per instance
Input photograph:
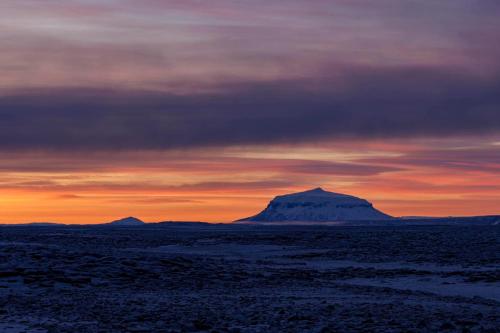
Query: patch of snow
(436, 285)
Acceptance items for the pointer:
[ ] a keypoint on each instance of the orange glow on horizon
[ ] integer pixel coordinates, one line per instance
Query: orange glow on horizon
(225, 185)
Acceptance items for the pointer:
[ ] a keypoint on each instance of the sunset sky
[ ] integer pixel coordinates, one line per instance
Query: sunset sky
(205, 110)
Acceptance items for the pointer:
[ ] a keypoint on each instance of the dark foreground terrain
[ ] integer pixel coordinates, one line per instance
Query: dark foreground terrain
(171, 278)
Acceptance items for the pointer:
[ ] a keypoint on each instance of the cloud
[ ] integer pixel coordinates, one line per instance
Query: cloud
(366, 103)
(475, 159)
(174, 74)
(127, 199)
(195, 161)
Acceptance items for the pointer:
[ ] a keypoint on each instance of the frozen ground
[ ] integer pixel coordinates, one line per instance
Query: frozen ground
(172, 278)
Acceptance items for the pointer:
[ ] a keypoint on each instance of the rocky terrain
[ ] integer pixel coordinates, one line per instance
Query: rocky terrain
(239, 278)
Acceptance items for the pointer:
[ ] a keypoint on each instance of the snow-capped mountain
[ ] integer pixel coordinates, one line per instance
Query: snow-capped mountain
(317, 205)
(128, 221)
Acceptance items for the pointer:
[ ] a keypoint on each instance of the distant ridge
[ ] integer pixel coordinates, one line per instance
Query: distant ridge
(127, 221)
(317, 205)
(34, 224)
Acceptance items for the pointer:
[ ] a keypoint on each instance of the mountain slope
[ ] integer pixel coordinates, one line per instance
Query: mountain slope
(128, 221)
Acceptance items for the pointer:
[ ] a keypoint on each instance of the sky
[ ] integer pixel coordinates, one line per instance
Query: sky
(205, 110)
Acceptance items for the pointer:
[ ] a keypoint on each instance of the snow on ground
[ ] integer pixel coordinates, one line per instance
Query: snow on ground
(239, 278)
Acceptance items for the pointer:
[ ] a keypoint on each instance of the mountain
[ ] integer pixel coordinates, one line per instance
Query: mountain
(127, 221)
(317, 205)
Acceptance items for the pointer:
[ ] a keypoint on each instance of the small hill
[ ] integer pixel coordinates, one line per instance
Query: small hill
(317, 205)
(127, 221)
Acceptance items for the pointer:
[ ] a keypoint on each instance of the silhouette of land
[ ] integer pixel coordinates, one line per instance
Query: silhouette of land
(174, 277)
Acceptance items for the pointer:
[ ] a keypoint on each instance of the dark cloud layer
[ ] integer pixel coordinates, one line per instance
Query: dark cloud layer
(83, 75)
(362, 103)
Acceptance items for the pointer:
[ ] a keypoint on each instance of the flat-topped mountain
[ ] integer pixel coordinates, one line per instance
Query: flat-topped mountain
(317, 205)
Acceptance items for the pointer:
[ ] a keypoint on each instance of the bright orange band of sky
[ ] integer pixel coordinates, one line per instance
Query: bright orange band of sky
(221, 185)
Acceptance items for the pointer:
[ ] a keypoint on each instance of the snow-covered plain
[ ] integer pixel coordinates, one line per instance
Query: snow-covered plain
(246, 278)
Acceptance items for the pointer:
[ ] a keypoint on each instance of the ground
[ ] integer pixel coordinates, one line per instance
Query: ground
(188, 278)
